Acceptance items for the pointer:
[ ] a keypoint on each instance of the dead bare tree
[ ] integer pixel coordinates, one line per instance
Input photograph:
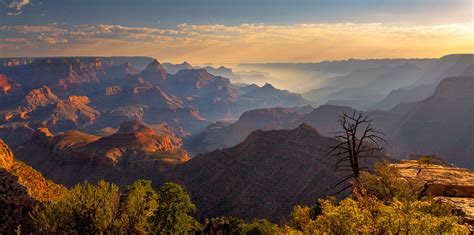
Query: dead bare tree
(357, 140)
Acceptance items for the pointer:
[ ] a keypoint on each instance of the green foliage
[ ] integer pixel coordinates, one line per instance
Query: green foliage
(137, 208)
(99, 209)
(85, 209)
(259, 227)
(172, 215)
(316, 210)
(426, 160)
(382, 203)
(369, 215)
(223, 225)
(231, 225)
(386, 184)
(300, 218)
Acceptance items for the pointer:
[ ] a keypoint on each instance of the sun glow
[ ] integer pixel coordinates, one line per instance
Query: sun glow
(242, 43)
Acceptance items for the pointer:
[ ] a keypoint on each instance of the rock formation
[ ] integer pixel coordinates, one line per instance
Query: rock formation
(131, 153)
(451, 185)
(441, 124)
(21, 188)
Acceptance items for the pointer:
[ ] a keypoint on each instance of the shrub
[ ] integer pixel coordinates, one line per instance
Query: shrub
(382, 203)
(172, 214)
(85, 209)
(99, 209)
(367, 214)
(259, 227)
(223, 225)
(137, 208)
(387, 184)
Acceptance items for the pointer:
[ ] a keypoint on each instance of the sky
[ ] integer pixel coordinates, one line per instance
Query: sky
(244, 31)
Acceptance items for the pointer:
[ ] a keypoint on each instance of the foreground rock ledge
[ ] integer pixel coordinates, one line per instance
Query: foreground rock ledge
(451, 185)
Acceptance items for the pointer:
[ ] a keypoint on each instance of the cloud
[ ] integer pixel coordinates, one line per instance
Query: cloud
(16, 6)
(14, 13)
(31, 29)
(241, 43)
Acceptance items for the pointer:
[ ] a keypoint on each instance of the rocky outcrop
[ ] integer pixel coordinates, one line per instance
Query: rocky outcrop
(70, 113)
(10, 91)
(155, 97)
(61, 74)
(37, 98)
(463, 206)
(6, 156)
(135, 151)
(12, 62)
(42, 108)
(21, 188)
(71, 75)
(154, 73)
(440, 180)
(118, 75)
(190, 82)
(42, 136)
(112, 90)
(133, 142)
(451, 185)
(221, 134)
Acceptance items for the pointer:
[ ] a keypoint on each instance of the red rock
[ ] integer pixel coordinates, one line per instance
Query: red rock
(113, 90)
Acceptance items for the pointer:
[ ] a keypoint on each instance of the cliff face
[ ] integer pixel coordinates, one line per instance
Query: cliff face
(223, 134)
(10, 91)
(132, 142)
(41, 107)
(451, 185)
(134, 152)
(37, 98)
(441, 124)
(6, 156)
(21, 188)
(35, 184)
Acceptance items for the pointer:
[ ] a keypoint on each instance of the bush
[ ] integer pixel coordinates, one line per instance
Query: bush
(382, 203)
(367, 214)
(138, 206)
(387, 184)
(99, 209)
(223, 225)
(85, 209)
(172, 215)
(259, 227)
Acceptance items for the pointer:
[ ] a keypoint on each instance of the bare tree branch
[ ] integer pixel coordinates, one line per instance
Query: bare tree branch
(357, 140)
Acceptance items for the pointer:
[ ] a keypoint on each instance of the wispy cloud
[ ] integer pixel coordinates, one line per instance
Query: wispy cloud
(14, 13)
(15, 6)
(242, 43)
(18, 4)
